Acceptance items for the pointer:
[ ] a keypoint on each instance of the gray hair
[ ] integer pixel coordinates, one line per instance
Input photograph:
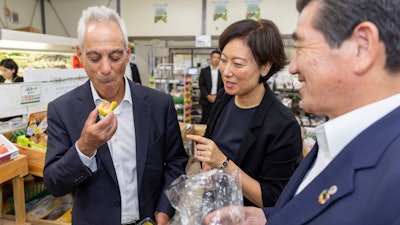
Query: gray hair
(100, 14)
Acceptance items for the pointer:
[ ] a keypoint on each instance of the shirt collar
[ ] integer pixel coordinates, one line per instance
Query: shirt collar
(127, 96)
(340, 131)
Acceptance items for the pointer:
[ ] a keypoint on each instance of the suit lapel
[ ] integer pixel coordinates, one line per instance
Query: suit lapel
(323, 191)
(361, 153)
(141, 116)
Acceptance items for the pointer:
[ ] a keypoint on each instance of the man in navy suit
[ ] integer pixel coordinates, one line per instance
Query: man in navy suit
(119, 165)
(347, 56)
(210, 82)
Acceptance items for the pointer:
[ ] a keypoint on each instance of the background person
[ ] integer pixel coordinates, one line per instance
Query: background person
(117, 167)
(249, 129)
(9, 71)
(347, 57)
(135, 73)
(209, 83)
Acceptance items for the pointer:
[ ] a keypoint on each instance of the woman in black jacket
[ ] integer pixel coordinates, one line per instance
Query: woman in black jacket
(249, 129)
(9, 70)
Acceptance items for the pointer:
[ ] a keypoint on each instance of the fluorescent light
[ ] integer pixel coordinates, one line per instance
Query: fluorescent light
(21, 40)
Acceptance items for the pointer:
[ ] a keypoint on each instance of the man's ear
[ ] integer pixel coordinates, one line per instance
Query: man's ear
(366, 36)
(78, 52)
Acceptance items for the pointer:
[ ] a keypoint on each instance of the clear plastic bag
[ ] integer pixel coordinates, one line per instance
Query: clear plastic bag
(196, 195)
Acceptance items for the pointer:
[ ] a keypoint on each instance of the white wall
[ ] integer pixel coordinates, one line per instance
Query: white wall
(184, 19)
(282, 12)
(184, 16)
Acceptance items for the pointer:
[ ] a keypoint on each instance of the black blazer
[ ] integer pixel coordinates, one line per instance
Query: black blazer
(160, 156)
(272, 147)
(205, 84)
(14, 80)
(135, 73)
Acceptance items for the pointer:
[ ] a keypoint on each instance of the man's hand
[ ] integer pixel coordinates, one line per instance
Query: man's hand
(211, 98)
(94, 134)
(235, 215)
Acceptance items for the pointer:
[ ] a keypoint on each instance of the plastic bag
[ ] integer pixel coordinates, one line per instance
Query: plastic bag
(194, 196)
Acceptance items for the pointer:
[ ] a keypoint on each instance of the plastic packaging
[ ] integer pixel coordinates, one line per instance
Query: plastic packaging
(194, 196)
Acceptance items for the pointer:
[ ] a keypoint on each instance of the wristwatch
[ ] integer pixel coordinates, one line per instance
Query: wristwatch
(224, 163)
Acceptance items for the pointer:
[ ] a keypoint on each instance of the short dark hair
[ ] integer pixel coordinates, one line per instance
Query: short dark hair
(9, 64)
(216, 51)
(264, 40)
(337, 19)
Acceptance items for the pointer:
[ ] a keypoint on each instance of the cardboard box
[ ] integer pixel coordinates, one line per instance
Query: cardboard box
(12, 150)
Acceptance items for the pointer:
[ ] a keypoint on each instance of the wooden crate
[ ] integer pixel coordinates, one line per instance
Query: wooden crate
(35, 159)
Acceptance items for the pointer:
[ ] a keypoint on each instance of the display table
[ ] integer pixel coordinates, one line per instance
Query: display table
(15, 170)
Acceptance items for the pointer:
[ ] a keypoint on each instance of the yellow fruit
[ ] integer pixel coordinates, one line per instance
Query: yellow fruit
(106, 107)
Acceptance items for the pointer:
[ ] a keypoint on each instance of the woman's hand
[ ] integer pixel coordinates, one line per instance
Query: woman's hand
(207, 152)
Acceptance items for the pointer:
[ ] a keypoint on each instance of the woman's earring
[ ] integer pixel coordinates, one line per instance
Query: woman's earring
(263, 74)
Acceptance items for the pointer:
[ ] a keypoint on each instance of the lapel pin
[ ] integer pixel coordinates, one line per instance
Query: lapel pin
(325, 195)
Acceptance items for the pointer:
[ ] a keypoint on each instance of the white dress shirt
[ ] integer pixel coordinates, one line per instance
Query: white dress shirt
(123, 152)
(335, 134)
(214, 80)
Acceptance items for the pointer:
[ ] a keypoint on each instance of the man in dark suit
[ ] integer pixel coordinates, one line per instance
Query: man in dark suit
(118, 165)
(135, 73)
(347, 57)
(210, 82)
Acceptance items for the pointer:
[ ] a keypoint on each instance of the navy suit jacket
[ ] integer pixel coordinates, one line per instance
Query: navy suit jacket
(205, 84)
(160, 156)
(366, 174)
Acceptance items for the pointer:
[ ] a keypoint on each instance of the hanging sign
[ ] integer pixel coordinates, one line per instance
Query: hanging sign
(160, 13)
(203, 41)
(253, 9)
(220, 10)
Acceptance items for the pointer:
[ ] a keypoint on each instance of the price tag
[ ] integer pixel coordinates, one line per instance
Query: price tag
(30, 93)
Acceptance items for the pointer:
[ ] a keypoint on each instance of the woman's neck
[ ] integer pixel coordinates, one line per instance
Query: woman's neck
(251, 99)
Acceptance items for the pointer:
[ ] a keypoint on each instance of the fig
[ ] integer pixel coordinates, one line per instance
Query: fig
(106, 107)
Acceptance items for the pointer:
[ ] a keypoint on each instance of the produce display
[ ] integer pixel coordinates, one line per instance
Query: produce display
(35, 133)
(3, 149)
(40, 139)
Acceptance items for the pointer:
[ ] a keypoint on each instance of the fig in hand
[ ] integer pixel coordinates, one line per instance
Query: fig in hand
(106, 107)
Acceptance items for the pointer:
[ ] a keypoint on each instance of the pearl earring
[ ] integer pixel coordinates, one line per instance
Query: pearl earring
(263, 74)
